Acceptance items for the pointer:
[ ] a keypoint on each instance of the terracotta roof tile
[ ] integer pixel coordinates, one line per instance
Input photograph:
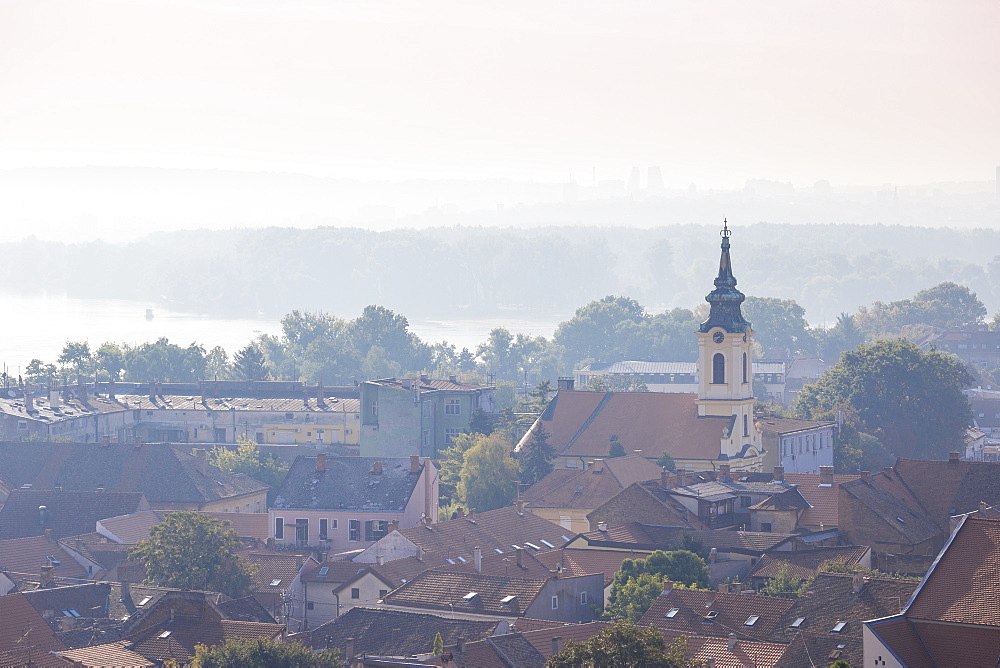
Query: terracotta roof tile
(67, 512)
(732, 613)
(824, 500)
(788, 425)
(408, 633)
(805, 563)
(23, 558)
(645, 502)
(20, 623)
(641, 536)
(282, 568)
(587, 489)
(899, 634)
(446, 591)
(502, 651)
(349, 483)
(580, 424)
(542, 638)
(959, 645)
(587, 562)
(100, 656)
(744, 653)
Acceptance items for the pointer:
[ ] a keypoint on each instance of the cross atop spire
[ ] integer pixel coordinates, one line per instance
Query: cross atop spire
(726, 232)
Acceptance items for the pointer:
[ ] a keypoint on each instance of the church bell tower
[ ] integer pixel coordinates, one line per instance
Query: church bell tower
(725, 363)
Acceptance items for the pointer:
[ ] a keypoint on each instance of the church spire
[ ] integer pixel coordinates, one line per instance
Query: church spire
(725, 299)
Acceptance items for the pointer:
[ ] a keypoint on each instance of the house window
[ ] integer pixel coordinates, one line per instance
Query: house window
(765, 527)
(453, 407)
(746, 426)
(324, 534)
(718, 369)
(333, 524)
(427, 409)
(279, 528)
(22, 425)
(583, 598)
(353, 530)
(427, 438)
(382, 593)
(302, 532)
(355, 592)
(555, 602)
(376, 529)
(309, 605)
(744, 368)
(374, 412)
(289, 416)
(450, 433)
(746, 502)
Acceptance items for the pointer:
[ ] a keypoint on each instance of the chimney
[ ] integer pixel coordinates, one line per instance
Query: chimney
(453, 379)
(477, 559)
(982, 507)
(779, 474)
(668, 585)
(460, 511)
(857, 582)
(48, 534)
(407, 383)
(518, 553)
(461, 644)
(732, 641)
(320, 395)
(29, 401)
(472, 515)
(202, 460)
(565, 384)
(420, 553)
(45, 575)
(713, 555)
(414, 463)
(126, 588)
(201, 387)
(664, 481)
(393, 525)
(349, 650)
(54, 400)
(724, 473)
(556, 644)
(826, 476)
(270, 543)
(424, 378)
(520, 506)
(953, 457)
(43, 515)
(320, 462)
(602, 526)
(376, 468)
(380, 560)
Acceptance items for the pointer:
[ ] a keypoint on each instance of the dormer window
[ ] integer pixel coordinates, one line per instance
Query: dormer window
(507, 600)
(469, 598)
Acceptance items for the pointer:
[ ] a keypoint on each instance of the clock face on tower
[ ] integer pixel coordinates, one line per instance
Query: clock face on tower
(718, 337)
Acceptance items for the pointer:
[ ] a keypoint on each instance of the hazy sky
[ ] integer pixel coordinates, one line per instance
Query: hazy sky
(864, 92)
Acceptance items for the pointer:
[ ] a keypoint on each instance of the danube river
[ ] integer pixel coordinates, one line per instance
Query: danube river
(39, 326)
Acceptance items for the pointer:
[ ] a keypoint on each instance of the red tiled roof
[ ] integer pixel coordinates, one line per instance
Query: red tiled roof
(186, 633)
(805, 563)
(587, 489)
(744, 653)
(788, 425)
(581, 424)
(270, 567)
(100, 656)
(23, 557)
(733, 612)
(542, 638)
(824, 500)
(962, 585)
(588, 562)
(21, 625)
(899, 634)
(951, 645)
(446, 591)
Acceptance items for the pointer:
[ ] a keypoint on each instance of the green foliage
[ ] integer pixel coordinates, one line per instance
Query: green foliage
(692, 543)
(623, 645)
(189, 550)
(844, 335)
(779, 326)
(944, 305)
(38, 371)
(449, 463)
(164, 362)
(438, 644)
(840, 663)
(666, 461)
(263, 653)
(250, 363)
(480, 422)
(908, 400)
(616, 449)
(489, 474)
(536, 456)
(638, 581)
(77, 354)
(784, 584)
(247, 459)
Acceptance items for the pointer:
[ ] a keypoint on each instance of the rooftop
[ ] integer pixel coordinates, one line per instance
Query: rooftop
(29, 512)
(451, 591)
(575, 488)
(354, 483)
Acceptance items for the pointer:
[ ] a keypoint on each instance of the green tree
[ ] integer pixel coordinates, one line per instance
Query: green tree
(911, 401)
(189, 550)
(608, 383)
(247, 459)
(844, 335)
(779, 326)
(638, 581)
(536, 456)
(623, 645)
(480, 422)
(263, 653)
(489, 473)
(616, 449)
(692, 543)
(77, 354)
(438, 648)
(166, 362)
(250, 363)
(632, 597)
(450, 462)
(592, 334)
(110, 358)
(666, 461)
(38, 371)
(784, 584)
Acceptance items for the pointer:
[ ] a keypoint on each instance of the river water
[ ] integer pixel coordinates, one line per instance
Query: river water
(39, 326)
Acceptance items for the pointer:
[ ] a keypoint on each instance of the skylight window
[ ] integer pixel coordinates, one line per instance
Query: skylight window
(145, 600)
(797, 623)
(564, 538)
(547, 544)
(275, 583)
(901, 520)
(70, 613)
(533, 546)
(498, 550)
(323, 571)
(165, 634)
(838, 627)
(712, 614)
(671, 613)
(470, 597)
(462, 559)
(507, 600)
(751, 620)
(516, 547)
(450, 561)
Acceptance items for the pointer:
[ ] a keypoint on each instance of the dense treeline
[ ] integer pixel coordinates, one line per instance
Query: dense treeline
(460, 272)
